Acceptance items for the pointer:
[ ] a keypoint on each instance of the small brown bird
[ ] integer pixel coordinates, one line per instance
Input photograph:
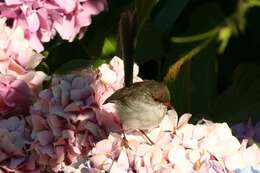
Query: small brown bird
(141, 105)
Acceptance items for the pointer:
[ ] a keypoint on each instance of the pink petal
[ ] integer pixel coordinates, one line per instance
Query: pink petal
(15, 162)
(104, 146)
(30, 163)
(176, 155)
(169, 121)
(94, 7)
(13, 2)
(38, 78)
(93, 128)
(45, 137)
(69, 135)
(116, 168)
(254, 153)
(55, 124)
(67, 5)
(60, 153)
(38, 123)
(33, 22)
(66, 29)
(147, 160)
(74, 106)
(78, 83)
(123, 161)
(3, 156)
(83, 18)
(35, 42)
(184, 119)
(107, 75)
(98, 160)
(157, 156)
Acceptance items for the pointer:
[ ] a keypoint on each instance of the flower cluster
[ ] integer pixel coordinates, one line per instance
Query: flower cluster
(69, 118)
(17, 75)
(178, 147)
(15, 96)
(247, 131)
(17, 57)
(41, 19)
(14, 140)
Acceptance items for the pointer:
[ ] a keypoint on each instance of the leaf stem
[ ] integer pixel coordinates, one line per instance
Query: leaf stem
(211, 33)
(175, 68)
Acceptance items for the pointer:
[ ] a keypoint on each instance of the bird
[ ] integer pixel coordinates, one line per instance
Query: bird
(141, 105)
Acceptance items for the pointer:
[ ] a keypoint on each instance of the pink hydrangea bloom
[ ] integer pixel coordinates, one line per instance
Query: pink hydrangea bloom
(41, 19)
(14, 140)
(247, 131)
(17, 58)
(15, 96)
(178, 147)
(64, 122)
(112, 77)
(69, 118)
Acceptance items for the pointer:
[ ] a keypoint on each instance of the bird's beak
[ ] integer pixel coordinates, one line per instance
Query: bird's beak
(106, 101)
(168, 105)
(109, 100)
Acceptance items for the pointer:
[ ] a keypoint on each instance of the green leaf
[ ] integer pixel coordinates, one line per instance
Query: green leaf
(224, 37)
(166, 17)
(242, 99)
(103, 26)
(78, 64)
(149, 44)
(175, 68)
(143, 11)
(63, 53)
(189, 92)
(193, 81)
(109, 47)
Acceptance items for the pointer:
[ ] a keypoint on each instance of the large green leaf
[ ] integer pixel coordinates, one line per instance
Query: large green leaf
(149, 44)
(143, 10)
(166, 17)
(63, 53)
(103, 27)
(193, 82)
(242, 99)
(151, 40)
(78, 64)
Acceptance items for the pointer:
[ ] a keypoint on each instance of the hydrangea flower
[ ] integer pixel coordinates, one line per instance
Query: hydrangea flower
(178, 147)
(251, 169)
(15, 96)
(247, 131)
(17, 58)
(14, 140)
(41, 19)
(64, 122)
(69, 118)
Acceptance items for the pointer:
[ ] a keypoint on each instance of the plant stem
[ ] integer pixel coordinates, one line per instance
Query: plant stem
(198, 37)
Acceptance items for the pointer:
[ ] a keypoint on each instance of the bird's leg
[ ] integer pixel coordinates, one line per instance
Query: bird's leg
(143, 133)
(124, 141)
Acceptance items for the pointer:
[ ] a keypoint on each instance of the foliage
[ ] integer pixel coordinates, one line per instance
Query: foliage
(193, 46)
